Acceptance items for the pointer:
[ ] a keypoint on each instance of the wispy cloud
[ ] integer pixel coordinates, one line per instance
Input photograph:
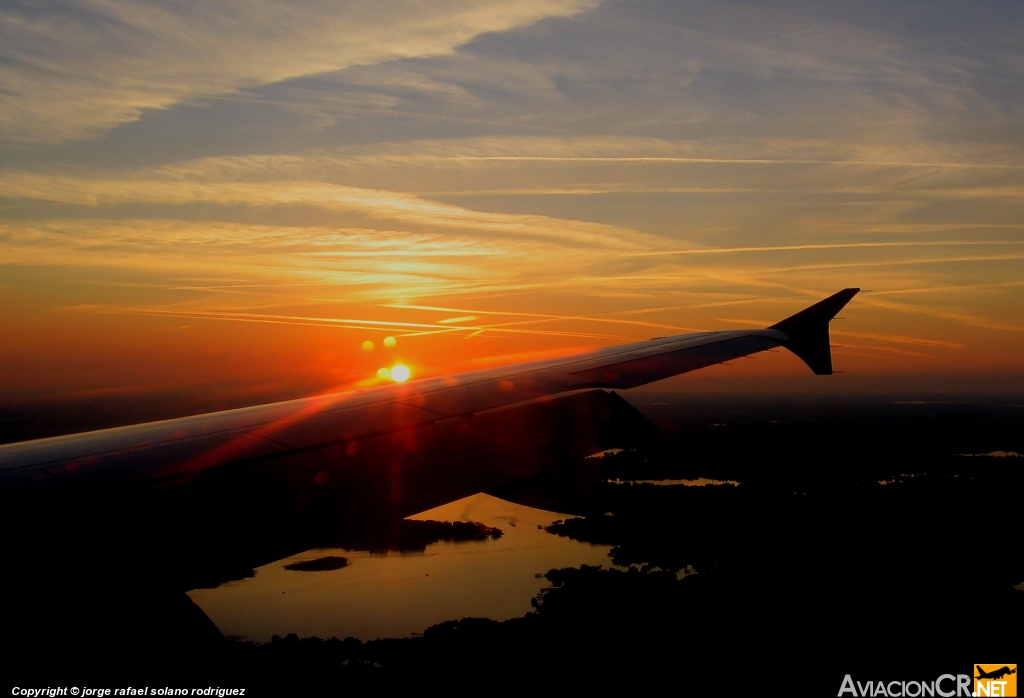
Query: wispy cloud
(968, 319)
(406, 328)
(541, 317)
(890, 350)
(529, 173)
(375, 203)
(114, 59)
(899, 339)
(833, 246)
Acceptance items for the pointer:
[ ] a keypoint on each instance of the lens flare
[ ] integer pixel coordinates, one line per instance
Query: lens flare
(399, 373)
(390, 342)
(384, 373)
(367, 346)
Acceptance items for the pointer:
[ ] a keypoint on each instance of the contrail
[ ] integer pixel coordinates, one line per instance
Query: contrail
(825, 246)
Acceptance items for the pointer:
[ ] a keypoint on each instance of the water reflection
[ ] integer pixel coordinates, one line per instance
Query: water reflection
(398, 595)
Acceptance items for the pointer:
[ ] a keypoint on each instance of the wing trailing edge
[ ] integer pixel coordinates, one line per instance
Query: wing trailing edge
(807, 331)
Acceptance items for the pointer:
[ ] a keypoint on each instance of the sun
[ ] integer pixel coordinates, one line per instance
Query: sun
(399, 373)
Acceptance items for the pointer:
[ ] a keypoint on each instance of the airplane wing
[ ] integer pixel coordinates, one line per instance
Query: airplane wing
(185, 447)
(106, 530)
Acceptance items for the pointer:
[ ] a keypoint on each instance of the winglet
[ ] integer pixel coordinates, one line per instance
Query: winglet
(808, 331)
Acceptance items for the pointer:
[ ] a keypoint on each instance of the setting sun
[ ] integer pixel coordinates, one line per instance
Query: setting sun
(399, 373)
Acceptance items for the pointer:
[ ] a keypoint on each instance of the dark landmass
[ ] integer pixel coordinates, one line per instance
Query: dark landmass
(857, 541)
(413, 536)
(888, 580)
(321, 564)
(810, 569)
(403, 536)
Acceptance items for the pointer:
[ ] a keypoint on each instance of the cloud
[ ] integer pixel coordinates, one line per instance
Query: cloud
(834, 246)
(309, 262)
(899, 339)
(970, 320)
(113, 59)
(136, 188)
(407, 329)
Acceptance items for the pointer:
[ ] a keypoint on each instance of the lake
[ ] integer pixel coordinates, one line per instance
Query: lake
(401, 594)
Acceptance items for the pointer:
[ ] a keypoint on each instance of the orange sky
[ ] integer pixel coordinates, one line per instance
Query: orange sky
(504, 181)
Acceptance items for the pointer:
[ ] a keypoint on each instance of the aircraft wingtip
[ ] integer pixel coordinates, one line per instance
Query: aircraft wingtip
(807, 331)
